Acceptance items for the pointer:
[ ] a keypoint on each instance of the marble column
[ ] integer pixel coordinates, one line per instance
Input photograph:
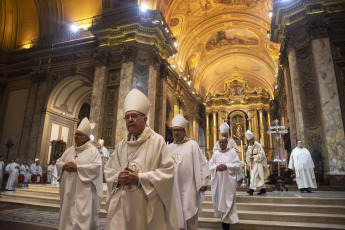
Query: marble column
(296, 94)
(126, 84)
(289, 106)
(37, 124)
(256, 126)
(214, 117)
(333, 131)
(250, 121)
(152, 96)
(164, 105)
(207, 132)
(269, 124)
(262, 128)
(98, 100)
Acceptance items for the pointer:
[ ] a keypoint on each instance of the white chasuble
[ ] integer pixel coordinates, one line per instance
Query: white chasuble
(258, 167)
(302, 163)
(191, 172)
(150, 204)
(81, 192)
(224, 183)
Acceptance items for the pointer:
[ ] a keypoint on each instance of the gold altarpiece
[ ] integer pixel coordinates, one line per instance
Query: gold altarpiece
(242, 108)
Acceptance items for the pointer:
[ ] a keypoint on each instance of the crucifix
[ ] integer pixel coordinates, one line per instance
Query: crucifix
(75, 157)
(277, 130)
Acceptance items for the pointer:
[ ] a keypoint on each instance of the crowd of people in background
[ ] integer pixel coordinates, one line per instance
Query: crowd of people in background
(15, 175)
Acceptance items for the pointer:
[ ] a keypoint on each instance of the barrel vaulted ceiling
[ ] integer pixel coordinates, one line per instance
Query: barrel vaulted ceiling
(213, 36)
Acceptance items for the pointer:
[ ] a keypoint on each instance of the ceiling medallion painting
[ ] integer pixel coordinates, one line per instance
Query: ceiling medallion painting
(231, 37)
(249, 3)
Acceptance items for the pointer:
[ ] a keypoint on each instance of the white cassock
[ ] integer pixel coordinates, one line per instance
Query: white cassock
(258, 168)
(2, 166)
(13, 178)
(191, 172)
(7, 169)
(302, 163)
(24, 169)
(151, 204)
(52, 175)
(231, 145)
(37, 170)
(224, 183)
(81, 192)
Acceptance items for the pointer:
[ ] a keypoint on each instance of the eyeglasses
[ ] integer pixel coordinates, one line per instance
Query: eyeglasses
(222, 142)
(134, 116)
(178, 130)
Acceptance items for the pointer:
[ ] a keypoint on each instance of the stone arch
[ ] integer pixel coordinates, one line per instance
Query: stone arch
(62, 110)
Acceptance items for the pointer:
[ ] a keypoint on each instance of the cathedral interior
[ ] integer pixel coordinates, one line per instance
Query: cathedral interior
(244, 62)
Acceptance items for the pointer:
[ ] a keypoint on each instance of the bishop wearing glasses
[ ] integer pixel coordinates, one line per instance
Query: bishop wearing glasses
(192, 175)
(140, 174)
(81, 183)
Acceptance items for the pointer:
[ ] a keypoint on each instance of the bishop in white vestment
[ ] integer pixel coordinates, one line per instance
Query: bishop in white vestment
(192, 175)
(225, 167)
(140, 175)
(81, 182)
(256, 159)
(224, 131)
(302, 163)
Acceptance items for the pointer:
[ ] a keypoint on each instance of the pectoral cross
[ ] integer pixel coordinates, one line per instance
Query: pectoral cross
(75, 157)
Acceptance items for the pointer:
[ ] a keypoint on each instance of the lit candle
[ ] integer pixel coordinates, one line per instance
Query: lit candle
(242, 150)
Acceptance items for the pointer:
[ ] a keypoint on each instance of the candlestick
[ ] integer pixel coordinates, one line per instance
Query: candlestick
(242, 151)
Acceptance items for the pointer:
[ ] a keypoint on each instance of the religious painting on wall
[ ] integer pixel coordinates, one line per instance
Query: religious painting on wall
(238, 127)
(58, 148)
(232, 37)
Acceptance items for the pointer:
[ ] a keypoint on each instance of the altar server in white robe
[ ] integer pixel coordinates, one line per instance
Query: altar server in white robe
(81, 182)
(256, 159)
(140, 174)
(224, 131)
(36, 169)
(8, 167)
(192, 175)
(302, 163)
(52, 174)
(13, 178)
(225, 167)
(25, 170)
(2, 167)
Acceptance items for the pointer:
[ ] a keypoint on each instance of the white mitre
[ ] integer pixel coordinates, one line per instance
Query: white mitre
(224, 128)
(179, 121)
(85, 126)
(136, 101)
(37, 159)
(249, 135)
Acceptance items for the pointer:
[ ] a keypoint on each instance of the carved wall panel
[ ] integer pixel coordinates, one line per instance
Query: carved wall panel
(110, 117)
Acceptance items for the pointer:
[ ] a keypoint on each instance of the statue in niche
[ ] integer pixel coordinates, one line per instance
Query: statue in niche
(237, 128)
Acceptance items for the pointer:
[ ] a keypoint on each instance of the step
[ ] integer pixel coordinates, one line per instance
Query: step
(47, 207)
(39, 187)
(271, 207)
(293, 217)
(267, 225)
(19, 198)
(40, 193)
(284, 216)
